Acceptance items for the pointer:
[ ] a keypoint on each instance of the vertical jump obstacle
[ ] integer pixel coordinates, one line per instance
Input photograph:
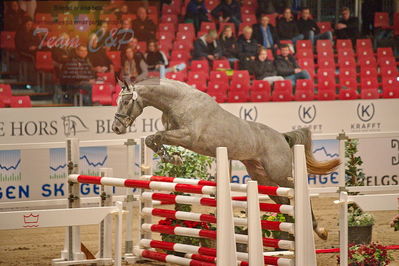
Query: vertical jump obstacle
(226, 239)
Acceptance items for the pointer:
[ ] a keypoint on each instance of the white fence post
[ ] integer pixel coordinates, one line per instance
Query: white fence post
(130, 150)
(343, 228)
(106, 224)
(255, 245)
(304, 240)
(225, 238)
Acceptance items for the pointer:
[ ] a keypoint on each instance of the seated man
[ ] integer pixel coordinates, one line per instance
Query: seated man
(77, 75)
(196, 13)
(287, 28)
(287, 66)
(143, 27)
(308, 27)
(263, 68)
(347, 27)
(265, 34)
(247, 48)
(228, 11)
(207, 47)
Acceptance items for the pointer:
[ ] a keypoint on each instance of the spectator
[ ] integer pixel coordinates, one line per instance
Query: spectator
(247, 48)
(77, 74)
(265, 7)
(287, 66)
(124, 10)
(348, 26)
(143, 27)
(287, 28)
(14, 16)
(228, 44)
(98, 56)
(228, 11)
(265, 34)
(133, 69)
(308, 27)
(26, 42)
(207, 47)
(263, 68)
(157, 61)
(61, 54)
(122, 36)
(29, 6)
(196, 13)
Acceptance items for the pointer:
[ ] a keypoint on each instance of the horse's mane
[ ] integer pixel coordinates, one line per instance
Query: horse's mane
(176, 88)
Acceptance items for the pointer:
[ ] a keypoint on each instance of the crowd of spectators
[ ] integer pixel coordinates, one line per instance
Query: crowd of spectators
(246, 48)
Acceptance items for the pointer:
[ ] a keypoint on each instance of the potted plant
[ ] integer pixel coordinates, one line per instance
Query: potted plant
(360, 223)
(194, 166)
(368, 254)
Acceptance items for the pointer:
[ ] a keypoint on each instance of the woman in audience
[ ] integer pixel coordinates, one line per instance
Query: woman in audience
(263, 68)
(229, 44)
(157, 61)
(133, 69)
(247, 48)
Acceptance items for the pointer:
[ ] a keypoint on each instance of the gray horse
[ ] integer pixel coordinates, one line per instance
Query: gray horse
(193, 120)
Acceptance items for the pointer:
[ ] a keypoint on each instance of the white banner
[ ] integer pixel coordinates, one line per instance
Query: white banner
(34, 174)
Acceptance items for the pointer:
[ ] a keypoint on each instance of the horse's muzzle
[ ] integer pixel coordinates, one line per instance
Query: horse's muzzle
(118, 128)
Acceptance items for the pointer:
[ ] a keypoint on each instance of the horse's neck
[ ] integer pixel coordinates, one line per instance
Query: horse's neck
(159, 96)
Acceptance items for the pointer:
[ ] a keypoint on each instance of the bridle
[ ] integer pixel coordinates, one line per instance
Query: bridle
(125, 119)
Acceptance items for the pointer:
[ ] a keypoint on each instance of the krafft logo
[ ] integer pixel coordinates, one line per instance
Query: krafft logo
(307, 113)
(395, 147)
(365, 112)
(249, 114)
(73, 124)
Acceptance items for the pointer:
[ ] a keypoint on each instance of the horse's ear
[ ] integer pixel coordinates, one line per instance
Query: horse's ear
(120, 83)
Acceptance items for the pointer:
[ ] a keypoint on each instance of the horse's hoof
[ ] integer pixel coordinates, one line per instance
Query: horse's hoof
(322, 233)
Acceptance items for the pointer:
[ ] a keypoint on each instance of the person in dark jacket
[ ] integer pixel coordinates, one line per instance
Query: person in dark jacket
(228, 44)
(26, 42)
(77, 74)
(228, 11)
(263, 68)
(98, 56)
(265, 34)
(287, 66)
(13, 16)
(196, 13)
(308, 27)
(207, 47)
(143, 27)
(247, 48)
(348, 26)
(287, 28)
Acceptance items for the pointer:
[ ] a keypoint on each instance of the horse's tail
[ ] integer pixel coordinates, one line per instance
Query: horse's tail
(304, 136)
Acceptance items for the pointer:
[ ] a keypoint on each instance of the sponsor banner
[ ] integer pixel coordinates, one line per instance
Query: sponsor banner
(34, 174)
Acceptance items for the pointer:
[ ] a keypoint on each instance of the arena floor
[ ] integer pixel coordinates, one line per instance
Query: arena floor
(39, 246)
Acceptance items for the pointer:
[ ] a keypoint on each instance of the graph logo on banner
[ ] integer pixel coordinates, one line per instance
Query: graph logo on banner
(325, 149)
(10, 165)
(92, 159)
(58, 166)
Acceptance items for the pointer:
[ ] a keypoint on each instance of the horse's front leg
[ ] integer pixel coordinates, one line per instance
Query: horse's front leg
(153, 142)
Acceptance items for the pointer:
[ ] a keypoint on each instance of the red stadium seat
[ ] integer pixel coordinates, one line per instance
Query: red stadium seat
(219, 96)
(260, 96)
(391, 71)
(197, 75)
(305, 53)
(200, 65)
(185, 36)
(381, 20)
(165, 45)
(367, 61)
(282, 91)
(344, 44)
(180, 55)
(183, 45)
(390, 82)
(7, 40)
(217, 86)
(384, 52)
(167, 27)
(107, 77)
(396, 23)
(324, 26)
(168, 10)
(346, 53)
(348, 94)
(369, 83)
(43, 19)
(20, 101)
(241, 75)
(348, 82)
(102, 93)
(165, 36)
(386, 61)
(260, 85)
(348, 62)
(5, 93)
(237, 96)
(364, 43)
(368, 72)
(346, 73)
(327, 73)
(308, 64)
(326, 62)
(44, 61)
(180, 76)
(390, 93)
(250, 19)
(304, 90)
(206, 26)
(247, 10)
(219, 76)
(364, 52)
(239, 85)
(303, 44)
(169, 18)
(211, 4)
(369, 94)
(186, 27)
(198, 84)
(221, 64)
(115, 57)
(324, 45)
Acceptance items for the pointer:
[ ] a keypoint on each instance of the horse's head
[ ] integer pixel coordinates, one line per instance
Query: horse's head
(130, 106)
